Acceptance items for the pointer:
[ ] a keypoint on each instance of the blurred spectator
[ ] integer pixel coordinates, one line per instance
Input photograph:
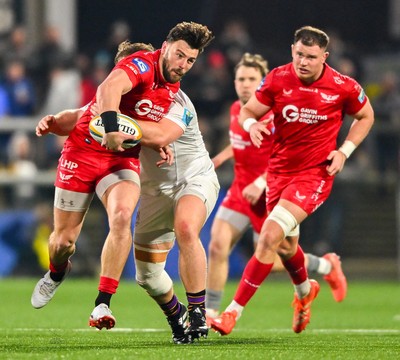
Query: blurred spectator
(19, 89)
(92, 75)
(4, 103)
(16, 47)
(234, 41)
(64, 89)
(119, 32)
(49, 54)
(17, 98)
(387, 131)
(343, 56)
(24, 170)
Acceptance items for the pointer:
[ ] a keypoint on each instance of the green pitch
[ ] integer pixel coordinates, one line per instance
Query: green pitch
(365, 326)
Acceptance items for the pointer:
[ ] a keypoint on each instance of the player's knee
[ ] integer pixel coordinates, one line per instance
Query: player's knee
(121, 217)
(284, 219)
(218, 250)
(153, 278)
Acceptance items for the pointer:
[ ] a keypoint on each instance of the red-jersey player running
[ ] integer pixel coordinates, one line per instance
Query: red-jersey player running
(309, 100)
(142, 86)
(245, 202)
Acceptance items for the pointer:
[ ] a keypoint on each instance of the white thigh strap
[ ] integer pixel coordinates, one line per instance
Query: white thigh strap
(284, 218)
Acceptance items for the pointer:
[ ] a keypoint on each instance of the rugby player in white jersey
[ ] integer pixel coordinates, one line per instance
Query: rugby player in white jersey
(175, 202)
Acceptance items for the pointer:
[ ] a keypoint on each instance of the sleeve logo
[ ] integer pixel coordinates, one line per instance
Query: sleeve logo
(142, 66)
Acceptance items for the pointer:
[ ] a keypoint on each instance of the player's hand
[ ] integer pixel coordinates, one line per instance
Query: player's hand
(113, 140)
(44, 125)
(337, 159)
(257, 130)
(252, 193)
(167, 156)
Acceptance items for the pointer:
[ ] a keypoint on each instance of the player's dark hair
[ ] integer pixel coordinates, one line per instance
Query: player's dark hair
(310, 36)
(253, 60)
(127, 48)
(196, 35)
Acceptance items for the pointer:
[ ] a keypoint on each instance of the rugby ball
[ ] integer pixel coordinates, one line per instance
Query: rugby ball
(126, 125)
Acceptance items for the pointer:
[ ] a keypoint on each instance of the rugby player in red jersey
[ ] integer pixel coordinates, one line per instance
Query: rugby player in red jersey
(141, 86)
(309, 100)
(245, 201)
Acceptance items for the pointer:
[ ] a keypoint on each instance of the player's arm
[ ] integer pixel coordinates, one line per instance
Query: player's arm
(255, 189)
(223, 156)
(362, 124)
(60, 124)
(250, 113)
(160, 134)
(108, 97)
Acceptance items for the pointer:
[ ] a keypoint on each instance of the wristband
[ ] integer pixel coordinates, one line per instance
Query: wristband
(347, 148)
(247, 123)
(110, 121)
(260, 182)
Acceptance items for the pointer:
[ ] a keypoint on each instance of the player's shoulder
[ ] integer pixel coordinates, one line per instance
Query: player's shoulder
(281, 71)
(140, 63)
(338, 79)
(235, 107)
(183, 100)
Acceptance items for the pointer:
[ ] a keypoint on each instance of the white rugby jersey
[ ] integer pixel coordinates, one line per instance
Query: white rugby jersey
(191, 155)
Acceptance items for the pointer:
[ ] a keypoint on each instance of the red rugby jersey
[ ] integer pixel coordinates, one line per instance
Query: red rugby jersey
(307, 118)
(149, 99)
(250, 162)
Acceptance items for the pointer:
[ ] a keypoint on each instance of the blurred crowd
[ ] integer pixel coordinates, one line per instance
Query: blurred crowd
(48, 78)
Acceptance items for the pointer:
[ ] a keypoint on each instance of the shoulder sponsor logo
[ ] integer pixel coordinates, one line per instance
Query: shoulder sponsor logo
(361, 96)
(338, 80)
(142, 66)
(187, 116)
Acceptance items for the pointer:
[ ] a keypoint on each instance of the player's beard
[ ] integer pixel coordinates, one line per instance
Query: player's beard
(169, 74)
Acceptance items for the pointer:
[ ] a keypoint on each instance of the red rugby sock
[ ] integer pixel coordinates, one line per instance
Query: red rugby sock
(254, 274)
(296, 267)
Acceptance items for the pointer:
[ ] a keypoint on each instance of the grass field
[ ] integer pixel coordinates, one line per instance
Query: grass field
(365, 326)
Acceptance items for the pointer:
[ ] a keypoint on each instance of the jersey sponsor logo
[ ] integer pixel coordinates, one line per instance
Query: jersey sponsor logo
(70, 165)
(299, 196)
(147, 108)
(329, 98)
(338, 80)
(287, 92)
(142, 66)
(261, 83)
(187, 116)
(291, 113)
(315, 196)
(313, 90)
(64, 177)
(361, 96)
(133, 165)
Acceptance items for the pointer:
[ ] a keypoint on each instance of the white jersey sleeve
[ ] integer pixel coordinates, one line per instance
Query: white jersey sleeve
(181, 111)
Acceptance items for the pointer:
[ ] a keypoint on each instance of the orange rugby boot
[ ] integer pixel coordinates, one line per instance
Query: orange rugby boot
(336, 279)
(224, 323)
(302, 308)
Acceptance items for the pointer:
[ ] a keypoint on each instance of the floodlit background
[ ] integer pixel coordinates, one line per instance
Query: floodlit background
(53, 54)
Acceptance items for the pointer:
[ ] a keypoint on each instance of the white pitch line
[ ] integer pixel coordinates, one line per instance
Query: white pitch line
(148, 330)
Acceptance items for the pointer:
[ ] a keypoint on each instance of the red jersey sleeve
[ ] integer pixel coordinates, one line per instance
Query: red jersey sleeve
(138, 67)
